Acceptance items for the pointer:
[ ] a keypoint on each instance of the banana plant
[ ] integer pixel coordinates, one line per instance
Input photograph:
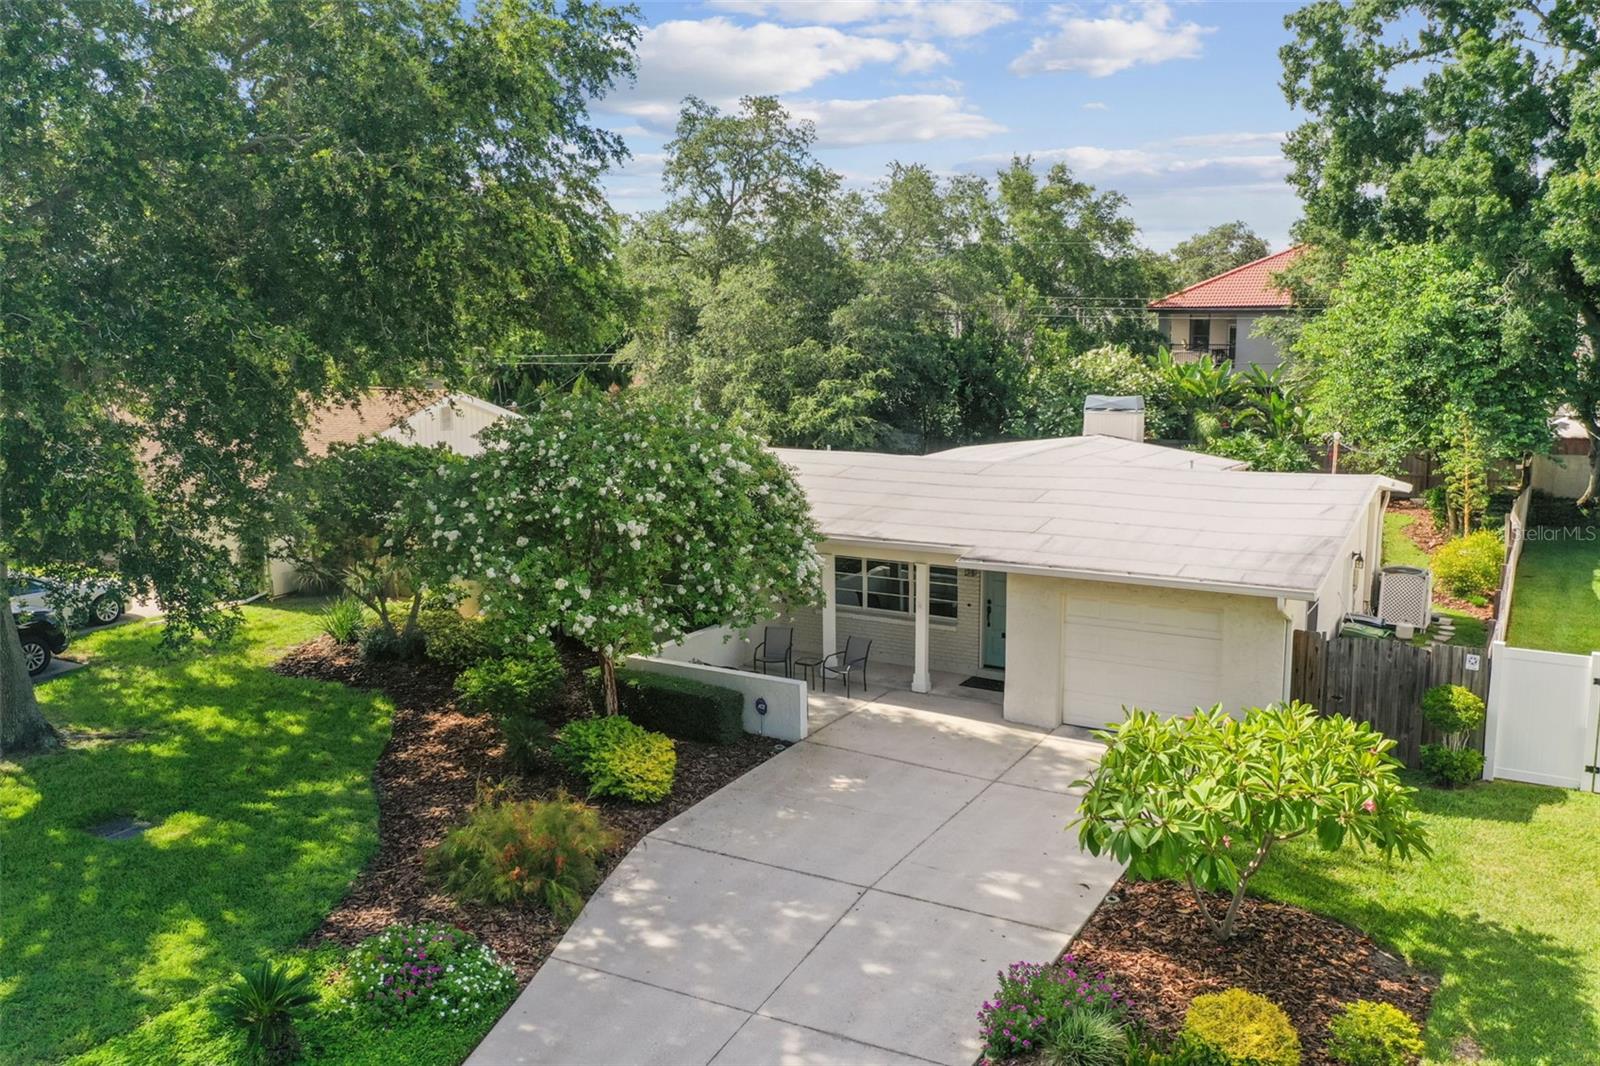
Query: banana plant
(1276, 413)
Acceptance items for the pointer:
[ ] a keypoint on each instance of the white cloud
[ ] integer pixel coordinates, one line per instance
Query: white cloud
(1123, 37)
(894, 119)
(1096, 105)
(1161, 162)
(896, 18)
(720, 61)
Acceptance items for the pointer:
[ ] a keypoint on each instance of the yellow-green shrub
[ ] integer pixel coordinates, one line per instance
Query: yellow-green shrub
(1364, 1033)
(619, 758)
(1243, 1027)
(1470, 565)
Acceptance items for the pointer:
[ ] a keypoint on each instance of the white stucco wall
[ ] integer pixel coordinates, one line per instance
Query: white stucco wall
(1565, 476)
(1344, 590)
(1261, 351)
(1254, 643)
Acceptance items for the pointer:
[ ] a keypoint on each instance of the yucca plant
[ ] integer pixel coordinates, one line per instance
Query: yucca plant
(344, 619)
(264, 1002)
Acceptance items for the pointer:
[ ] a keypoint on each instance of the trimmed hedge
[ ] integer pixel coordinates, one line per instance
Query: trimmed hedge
(677, 706)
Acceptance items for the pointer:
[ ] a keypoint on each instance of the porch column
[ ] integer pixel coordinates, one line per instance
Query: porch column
(830, 616)
(920, 681)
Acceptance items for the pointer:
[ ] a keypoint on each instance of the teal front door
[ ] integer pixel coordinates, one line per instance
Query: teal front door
(994, 620)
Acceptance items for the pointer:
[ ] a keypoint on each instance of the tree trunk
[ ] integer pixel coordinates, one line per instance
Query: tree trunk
(22, 726)
(1591, 491)
(608, 676)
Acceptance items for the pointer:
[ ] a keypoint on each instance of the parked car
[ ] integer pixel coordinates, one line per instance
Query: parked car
(103, 599)
(42, 638)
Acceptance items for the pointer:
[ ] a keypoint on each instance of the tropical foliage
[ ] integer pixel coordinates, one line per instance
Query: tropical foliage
(1206, 797)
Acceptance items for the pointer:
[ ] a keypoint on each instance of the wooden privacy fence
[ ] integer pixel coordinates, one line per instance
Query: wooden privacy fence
(1516, 530)
(1382, 682)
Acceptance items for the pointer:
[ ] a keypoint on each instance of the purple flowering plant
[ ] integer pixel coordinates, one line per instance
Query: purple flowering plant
(427, 967)
(1032, 997)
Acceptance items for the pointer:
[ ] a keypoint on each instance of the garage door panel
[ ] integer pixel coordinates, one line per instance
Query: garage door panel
(1161, 658)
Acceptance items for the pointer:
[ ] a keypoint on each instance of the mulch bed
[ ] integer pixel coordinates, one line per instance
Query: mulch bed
(1150, 939)
(428, 776)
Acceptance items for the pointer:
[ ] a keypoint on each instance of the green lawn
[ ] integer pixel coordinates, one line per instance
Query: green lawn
(1400, 550)
(1507, 912)
(261, 790)
(1555, 605)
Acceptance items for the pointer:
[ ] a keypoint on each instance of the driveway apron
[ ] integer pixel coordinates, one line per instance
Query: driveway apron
(848, 901)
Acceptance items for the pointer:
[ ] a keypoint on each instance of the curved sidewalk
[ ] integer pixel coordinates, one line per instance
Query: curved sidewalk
(848, 901)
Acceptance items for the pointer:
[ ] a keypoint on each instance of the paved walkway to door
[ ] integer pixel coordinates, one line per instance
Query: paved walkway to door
(848, 901)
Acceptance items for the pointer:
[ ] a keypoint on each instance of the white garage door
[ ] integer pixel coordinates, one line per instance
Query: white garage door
(1119, 653)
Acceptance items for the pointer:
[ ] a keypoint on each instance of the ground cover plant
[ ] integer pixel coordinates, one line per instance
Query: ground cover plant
(1373, 1034)
(428, 968)
(258, 791)
(1507, 902)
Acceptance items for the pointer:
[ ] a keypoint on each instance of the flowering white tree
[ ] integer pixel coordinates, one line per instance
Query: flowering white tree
(626, 520)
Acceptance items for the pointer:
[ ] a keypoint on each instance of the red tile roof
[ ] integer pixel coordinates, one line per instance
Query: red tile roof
(1244, 286)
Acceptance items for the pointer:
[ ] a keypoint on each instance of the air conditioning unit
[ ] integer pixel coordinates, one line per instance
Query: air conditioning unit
(1405, 594)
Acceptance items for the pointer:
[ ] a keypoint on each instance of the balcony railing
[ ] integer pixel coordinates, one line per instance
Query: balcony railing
(1190, 353)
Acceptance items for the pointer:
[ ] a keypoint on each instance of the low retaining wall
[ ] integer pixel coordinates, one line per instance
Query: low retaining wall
(708, 657)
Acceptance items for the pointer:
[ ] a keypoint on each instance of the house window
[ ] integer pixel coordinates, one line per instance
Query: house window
(885, 585)
(1200, 333)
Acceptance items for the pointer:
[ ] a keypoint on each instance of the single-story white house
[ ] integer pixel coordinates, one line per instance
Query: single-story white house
(1087, 573)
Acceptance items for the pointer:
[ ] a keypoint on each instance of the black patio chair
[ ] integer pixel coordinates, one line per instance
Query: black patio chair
(847, 663)
(777, 646)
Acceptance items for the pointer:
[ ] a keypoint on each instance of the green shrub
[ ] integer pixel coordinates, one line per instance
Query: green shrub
(453, 640)
(1453, 709)
(1373, 1034)
(1438, 501)
(264, 1002)
(619, 758)
(530, 684)
(1470, 565)
(1285, 771)
(1033, 997)
(379, 645)
(408, 968)
(1243, 1026)
(1452, 767)
(1086, 1037)
(527, 851)
(344, 619)
(677, 706)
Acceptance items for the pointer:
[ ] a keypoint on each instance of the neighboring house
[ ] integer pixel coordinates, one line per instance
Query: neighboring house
(428, 418)
(1216, 318)
(1087, 572)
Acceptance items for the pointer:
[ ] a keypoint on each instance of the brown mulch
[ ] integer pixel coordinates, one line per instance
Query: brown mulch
(428, 776)
(1425, 533)
(1148, 936)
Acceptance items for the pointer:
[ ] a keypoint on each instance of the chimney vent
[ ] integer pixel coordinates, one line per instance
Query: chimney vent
(1114, 416)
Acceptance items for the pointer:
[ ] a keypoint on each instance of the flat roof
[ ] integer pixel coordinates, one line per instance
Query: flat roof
(1097, 508)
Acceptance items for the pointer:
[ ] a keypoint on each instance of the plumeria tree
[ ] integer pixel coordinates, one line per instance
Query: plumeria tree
(625, 520)
(1205, 798)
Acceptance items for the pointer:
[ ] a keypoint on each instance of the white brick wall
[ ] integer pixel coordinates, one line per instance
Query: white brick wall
(952, 645)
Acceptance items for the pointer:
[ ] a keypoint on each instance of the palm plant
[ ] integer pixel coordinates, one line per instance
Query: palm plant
(1276, 413)
(1204, 389)
(264, 1001)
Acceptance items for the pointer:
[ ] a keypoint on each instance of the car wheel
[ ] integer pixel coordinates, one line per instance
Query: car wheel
(107, 608)
(36, 654)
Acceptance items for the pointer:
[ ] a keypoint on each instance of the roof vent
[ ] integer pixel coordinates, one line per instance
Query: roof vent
(1114, 416)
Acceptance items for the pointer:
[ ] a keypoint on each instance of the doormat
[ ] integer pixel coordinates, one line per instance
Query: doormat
(988, 684)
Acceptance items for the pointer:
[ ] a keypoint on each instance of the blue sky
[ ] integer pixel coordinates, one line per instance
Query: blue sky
(1174, 104)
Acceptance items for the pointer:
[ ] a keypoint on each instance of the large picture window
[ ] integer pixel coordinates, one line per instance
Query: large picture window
(885, 585)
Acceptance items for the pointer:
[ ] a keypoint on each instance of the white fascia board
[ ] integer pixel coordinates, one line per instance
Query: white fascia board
(1117, 578)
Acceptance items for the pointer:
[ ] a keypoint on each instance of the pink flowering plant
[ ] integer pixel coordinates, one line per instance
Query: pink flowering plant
(430, 968)
(626, 520)
(1032, 998)
(1205, 798)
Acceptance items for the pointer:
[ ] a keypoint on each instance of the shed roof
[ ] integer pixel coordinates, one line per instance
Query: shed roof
(1080, 508)
(1244, 287)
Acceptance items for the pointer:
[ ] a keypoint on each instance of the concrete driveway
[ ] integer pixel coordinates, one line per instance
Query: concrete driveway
(848, 901)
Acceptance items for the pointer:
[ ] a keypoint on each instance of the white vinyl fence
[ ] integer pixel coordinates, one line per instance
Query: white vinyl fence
(1544, 718)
